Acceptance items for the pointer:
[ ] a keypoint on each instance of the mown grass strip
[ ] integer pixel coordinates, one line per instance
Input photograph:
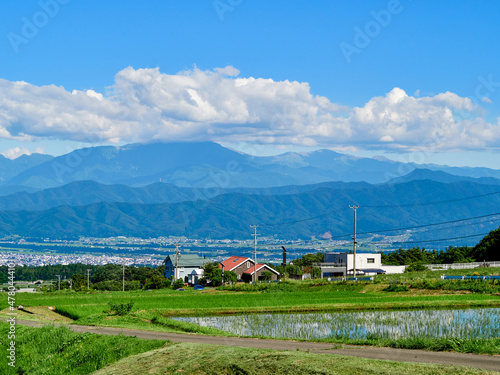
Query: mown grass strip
(201, 359)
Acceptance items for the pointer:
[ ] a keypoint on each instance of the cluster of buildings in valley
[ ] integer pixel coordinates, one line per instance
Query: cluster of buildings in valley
(32, 260)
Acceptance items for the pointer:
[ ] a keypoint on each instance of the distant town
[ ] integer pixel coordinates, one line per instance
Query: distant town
(151, 251)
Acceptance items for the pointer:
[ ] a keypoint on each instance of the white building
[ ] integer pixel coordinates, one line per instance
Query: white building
(182, 266)
(367, 264)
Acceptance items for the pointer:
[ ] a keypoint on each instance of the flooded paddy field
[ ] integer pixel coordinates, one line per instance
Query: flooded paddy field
(461, 324)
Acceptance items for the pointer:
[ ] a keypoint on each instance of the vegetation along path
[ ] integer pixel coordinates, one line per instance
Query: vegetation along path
(485, 362)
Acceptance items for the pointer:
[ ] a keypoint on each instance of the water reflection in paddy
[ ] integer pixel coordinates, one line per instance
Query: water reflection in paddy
(470, 323)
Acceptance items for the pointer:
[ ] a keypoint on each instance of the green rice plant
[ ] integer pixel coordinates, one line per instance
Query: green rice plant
(184, 326)
(372, 325)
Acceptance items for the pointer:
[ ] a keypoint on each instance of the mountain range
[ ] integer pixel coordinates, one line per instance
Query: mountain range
(205, 165)
(208, 191)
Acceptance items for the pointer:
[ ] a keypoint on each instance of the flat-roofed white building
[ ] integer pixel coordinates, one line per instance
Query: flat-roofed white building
(367, 264)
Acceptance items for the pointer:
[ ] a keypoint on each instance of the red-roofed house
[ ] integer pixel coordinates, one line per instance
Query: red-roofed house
(237, 264)
(248, 274)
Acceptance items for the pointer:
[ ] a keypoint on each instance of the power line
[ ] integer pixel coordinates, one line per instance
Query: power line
(435, 202)
(427, 241)
(427, 225)
(380, 206)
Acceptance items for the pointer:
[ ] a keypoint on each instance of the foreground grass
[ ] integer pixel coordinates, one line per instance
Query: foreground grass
(59, 351)
(203, 359)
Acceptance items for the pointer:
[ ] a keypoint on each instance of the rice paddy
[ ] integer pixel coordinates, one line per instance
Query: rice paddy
(428, 324)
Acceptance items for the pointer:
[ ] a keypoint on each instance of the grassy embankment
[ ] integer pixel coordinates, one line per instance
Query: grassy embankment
(59, 351)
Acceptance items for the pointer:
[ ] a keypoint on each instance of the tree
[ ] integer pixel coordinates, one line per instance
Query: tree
(415, 267)
(315, 272)
(267, 275)
(212, 274)
(488, 248)
(308, 259)
(79, 282)
(230, 277)
(157, 282)
(295, 270)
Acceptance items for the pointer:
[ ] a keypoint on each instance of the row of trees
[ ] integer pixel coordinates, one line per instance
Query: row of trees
(488, 249)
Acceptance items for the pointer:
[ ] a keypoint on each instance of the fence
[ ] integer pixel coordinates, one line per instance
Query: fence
(461, 266)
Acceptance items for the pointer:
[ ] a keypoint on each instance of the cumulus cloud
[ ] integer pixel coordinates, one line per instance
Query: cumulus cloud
(146, 105)
(14, 153)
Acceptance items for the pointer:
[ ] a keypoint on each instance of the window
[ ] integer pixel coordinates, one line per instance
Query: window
(248, 264)
(370, 260)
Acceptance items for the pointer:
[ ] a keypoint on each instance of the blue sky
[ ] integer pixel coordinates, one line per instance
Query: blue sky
(411, 80)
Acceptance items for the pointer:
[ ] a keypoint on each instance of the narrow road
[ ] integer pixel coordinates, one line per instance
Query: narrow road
(485, 362)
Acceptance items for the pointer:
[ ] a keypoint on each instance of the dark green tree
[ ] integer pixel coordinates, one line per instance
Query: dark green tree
(230, 277)
(308, 259)
(79, 282)
(488, 248)
(157, 282)
(267, 276)
(212, 274)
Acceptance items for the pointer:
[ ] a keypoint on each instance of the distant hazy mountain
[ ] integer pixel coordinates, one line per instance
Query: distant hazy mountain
(302, 215)
(80, 193)
(210, 166)
(10, 168)
(440, 176)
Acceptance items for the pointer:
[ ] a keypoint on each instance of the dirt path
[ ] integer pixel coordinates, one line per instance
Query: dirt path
(485, 362)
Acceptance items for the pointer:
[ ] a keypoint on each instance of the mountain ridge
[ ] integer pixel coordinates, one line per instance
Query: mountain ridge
(208, 164)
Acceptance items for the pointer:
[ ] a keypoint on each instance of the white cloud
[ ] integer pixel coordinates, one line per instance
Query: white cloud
(145, 105)
(15, 152)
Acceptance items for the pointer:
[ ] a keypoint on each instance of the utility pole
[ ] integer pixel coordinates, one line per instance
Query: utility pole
(123, 272)
(222, 281)
(177, 252)
(284, 260)
(354, 242)
(88, 278)
(58, 282)
(254, 252)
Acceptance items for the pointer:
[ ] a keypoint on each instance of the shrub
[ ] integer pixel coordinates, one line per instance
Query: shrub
(415, 267)
(396, 288)
(177, 284)
(121, 308)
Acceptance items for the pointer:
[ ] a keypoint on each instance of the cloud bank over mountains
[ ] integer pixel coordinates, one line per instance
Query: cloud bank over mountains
(217, 105)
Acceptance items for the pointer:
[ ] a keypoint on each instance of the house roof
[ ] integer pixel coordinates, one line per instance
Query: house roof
(232, 262)
(186, 260)
(259, 267)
